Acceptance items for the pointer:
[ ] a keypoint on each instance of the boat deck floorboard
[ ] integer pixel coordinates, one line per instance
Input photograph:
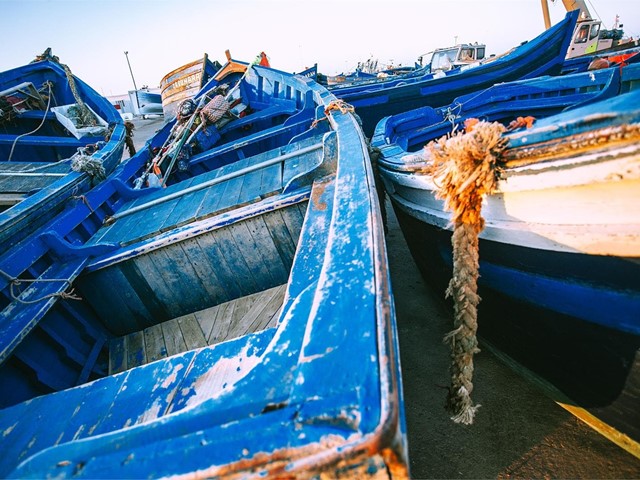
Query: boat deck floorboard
(249, 314)
(196, 205)
(26, 177)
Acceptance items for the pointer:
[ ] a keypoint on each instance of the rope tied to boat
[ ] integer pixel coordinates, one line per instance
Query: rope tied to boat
(15, 283)
(465, 168)
(339, 105)
(82, 161)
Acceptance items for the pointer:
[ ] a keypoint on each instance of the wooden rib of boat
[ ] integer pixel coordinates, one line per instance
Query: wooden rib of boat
(235, 322)
(56, 135)
(544, 55)
(560, 250)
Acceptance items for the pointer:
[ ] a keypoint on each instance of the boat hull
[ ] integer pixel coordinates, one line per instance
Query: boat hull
(543, 55)
(272, 280)
(595, 366)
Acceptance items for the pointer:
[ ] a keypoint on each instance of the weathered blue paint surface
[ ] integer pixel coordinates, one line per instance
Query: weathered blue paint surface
(566, 312)
(544, 55)
(320, 392)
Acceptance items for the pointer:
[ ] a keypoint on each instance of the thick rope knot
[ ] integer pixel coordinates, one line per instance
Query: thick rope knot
(339, 105)
(81, 162)
(465, 169)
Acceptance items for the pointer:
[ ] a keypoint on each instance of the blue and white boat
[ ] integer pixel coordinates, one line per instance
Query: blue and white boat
(232, 313)
(544, 55)
(560, 249)
(145, 102)
(58, 137)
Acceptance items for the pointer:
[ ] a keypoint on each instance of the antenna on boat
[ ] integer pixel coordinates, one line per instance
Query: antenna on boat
(126, 54)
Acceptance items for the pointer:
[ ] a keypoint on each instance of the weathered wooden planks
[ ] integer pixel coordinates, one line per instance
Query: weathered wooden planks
(232, 261)
(227, 321)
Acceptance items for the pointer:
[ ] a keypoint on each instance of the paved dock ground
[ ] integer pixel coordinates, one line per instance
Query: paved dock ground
(519, 432)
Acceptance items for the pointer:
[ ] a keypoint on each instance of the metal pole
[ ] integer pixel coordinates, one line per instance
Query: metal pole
(126, 54)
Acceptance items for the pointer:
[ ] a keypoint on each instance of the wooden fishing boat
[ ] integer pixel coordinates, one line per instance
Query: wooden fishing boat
(184, 82)
(235, 320)
(558, 255)
(544, 55)
(58, 136)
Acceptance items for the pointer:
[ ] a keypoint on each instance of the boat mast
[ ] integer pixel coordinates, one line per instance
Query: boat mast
(126, 54)
(569, 6)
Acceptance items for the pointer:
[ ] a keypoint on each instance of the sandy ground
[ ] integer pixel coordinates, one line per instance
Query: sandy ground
(518, 433)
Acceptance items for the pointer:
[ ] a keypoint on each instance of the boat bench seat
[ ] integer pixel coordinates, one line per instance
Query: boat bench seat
(26, 177)
(130, 398)
(298, 124)
(39, 140)
(37, 115)
(218, 198)
(260, 115)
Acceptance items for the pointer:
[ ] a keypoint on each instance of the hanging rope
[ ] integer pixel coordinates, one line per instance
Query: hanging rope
(44, 118)
(16, 282)
(465, 169)
(85, 116)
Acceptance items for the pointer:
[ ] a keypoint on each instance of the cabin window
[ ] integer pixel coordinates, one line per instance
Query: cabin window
(443, 60)
(582, 35)
(466, 54)
(595, 30)
(479, 53)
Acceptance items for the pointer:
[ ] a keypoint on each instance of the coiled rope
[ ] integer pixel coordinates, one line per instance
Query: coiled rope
(465, 169)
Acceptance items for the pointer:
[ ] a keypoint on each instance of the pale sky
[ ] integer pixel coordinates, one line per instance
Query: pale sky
(91, 36)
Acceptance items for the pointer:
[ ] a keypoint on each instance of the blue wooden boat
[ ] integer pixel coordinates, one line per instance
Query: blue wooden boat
(236, 320)
(544, 55)
(559, 271)
(46, 154)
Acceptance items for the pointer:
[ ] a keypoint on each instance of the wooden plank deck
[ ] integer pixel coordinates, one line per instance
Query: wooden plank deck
(226, 321)
(26, 177)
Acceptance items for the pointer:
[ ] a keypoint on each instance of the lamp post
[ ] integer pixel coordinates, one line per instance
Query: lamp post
(126, 54)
